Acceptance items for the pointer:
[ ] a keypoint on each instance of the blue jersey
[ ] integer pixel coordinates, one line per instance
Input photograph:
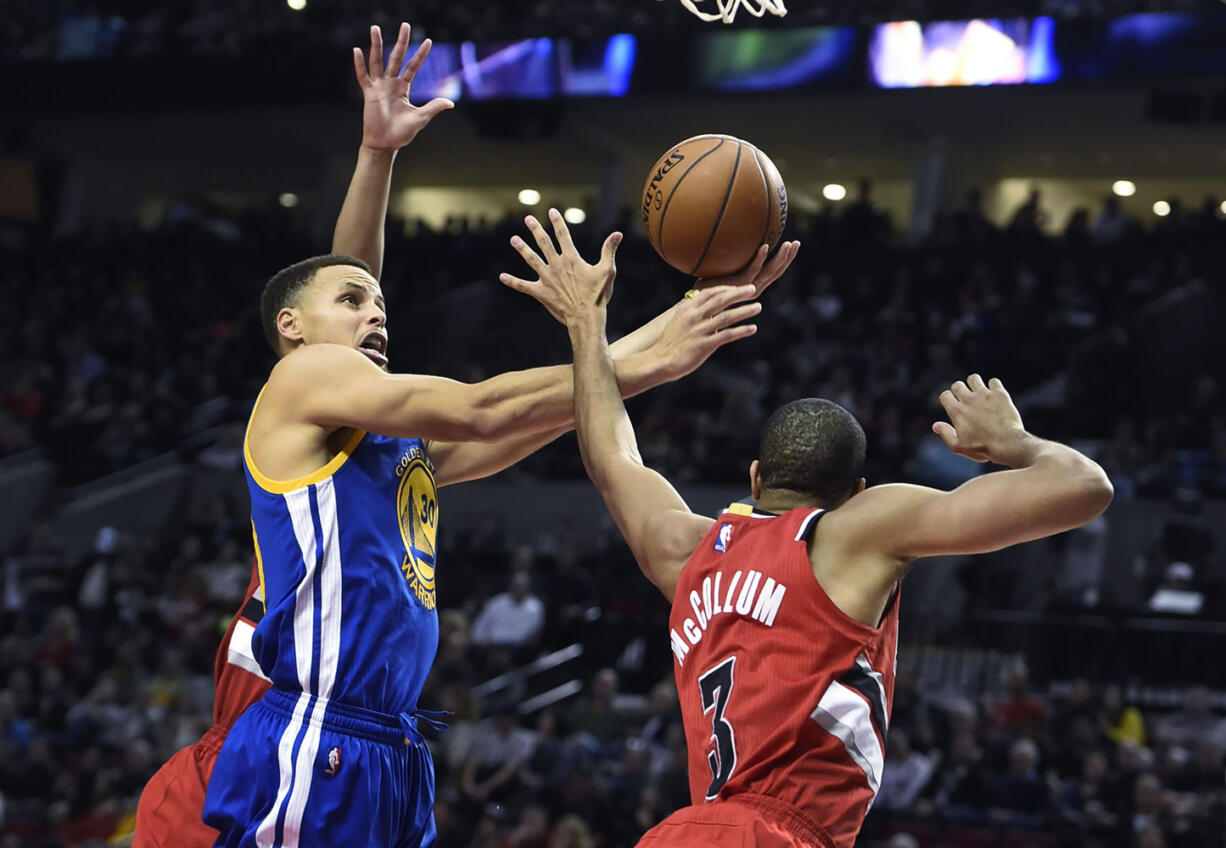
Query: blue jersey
(346, 558)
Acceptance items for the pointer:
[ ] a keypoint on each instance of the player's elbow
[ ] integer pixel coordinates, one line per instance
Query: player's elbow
(1089, 494)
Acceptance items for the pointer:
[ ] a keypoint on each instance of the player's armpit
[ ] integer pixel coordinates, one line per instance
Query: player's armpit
(333, 386)
(652, 517)
(984, 514)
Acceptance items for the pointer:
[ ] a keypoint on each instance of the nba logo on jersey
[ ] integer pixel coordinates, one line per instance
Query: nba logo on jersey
(725, 537)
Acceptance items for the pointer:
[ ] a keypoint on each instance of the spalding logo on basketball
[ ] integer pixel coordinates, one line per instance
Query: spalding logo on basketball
(710, 202)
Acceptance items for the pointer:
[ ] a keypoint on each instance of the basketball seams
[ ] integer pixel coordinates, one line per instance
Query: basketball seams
(677, 185)
(736, 166)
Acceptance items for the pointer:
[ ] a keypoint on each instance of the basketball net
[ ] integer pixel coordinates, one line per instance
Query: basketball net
(728, 8)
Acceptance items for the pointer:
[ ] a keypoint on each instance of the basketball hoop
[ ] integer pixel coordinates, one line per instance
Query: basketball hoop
(728, 8)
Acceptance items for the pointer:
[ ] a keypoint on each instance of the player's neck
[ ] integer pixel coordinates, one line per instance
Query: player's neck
(779, 501)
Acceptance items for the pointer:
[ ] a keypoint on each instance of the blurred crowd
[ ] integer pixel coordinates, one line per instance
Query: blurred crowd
(84, 29)
(108, 672)
(124, 343)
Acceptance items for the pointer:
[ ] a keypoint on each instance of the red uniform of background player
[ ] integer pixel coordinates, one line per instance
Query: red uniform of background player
(786, 677)
(168, 813)
(784, 698)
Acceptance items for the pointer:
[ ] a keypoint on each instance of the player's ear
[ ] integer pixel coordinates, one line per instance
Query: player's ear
(755, 480)
(289, 327)
(857, 488)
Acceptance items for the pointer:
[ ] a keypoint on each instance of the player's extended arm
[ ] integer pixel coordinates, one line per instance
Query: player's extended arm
(334, 386)
(652, 517)
(1048, 489)
(389, 122)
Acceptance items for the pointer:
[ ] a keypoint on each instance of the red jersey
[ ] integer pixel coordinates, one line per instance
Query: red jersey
(237, 679)
(782, 694)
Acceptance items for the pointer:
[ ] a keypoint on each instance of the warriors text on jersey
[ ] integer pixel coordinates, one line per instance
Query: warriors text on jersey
(784, 697)
(347, 567)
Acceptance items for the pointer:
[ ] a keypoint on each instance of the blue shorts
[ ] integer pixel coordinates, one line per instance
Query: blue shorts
(296, 771)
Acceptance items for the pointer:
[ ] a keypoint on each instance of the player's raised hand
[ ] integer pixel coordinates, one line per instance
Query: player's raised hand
(567, 285)
(759, 272)
(703, 323)
(982, 419)
(389, 120)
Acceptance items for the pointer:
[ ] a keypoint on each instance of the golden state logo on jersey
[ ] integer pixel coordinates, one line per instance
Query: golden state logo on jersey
(417, 508)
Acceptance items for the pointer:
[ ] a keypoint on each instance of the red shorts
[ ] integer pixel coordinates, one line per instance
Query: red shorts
(168, 813)
(740, 822)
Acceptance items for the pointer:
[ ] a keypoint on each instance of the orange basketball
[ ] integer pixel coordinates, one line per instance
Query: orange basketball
(710, 202)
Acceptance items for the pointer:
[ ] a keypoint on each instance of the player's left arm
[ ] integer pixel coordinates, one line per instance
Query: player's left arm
(389, 122)
(652, 516)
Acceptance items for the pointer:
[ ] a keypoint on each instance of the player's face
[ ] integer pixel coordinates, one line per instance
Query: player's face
(345, 306)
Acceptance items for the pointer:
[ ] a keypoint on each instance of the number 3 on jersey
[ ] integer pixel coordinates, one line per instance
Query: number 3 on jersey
(716, 687)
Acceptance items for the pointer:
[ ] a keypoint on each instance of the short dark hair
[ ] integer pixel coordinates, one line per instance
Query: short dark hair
(812, 446)
(287, 285)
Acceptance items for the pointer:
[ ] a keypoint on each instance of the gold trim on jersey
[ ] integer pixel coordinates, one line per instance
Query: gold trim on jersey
(282, 487)
(740, 509)
(259, 565)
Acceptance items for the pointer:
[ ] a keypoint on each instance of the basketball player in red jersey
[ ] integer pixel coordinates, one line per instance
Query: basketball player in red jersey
(169, 810)
(784, 619)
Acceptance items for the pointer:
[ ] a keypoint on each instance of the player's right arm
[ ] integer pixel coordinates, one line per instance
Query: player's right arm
(333, 386)
(1048, 488)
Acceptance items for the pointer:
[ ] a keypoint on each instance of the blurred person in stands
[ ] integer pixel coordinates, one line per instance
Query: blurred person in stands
(1029, 220)
(501, 749)
(595, 717)
(818, 562)
(512, 619)
(343, 461)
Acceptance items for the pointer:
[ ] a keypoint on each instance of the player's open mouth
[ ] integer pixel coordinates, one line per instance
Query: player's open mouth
(375, 348)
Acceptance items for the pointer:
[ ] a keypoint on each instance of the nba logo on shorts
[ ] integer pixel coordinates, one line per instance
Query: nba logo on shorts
(725, 536)
(334, 762)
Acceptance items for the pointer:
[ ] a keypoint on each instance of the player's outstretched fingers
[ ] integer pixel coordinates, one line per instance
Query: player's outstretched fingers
(359, 68)
(375, 67)
(735, 315)
(561, 232)
(947, 434)
(608, 251)
(415, 63)
(520, 284)
(949, 402)
(754, 268)
(396, 58)
(722, 297)
(976, 383)
(997, 386)
(528, 255)
(543, 241)
(734, 334)
(960, 390)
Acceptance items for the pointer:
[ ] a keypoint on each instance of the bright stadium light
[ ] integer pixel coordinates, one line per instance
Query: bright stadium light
(1223, 207)
(1162, 208)
(834, 191)
(574, 215)
(288, 199)
(296, 5)
(529, 197)
(1124, 188)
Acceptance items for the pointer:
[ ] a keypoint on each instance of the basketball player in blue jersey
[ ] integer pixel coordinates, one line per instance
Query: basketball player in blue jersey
(343, 461)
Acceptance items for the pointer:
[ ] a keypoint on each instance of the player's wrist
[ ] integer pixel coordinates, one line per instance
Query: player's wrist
(377, 154)
(1015, 448)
